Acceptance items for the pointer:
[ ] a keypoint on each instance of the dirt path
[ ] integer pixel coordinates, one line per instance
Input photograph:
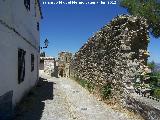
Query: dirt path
(64, 99)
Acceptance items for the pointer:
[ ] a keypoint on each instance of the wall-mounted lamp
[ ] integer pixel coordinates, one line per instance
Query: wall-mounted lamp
(46, 42)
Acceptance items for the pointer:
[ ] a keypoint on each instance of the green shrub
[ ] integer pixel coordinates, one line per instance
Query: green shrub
(151, 65)
(154, 77)
(106, 91)
(90, 86)
(83, 83)
(157, 93)
(136, 85)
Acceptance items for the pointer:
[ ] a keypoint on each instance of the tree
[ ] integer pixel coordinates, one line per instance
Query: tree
(42, 54)
(149, 9)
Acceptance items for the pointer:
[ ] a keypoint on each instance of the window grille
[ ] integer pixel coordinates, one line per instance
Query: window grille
(38, 26)
(21, 65)
(27, 4)
(32, 62)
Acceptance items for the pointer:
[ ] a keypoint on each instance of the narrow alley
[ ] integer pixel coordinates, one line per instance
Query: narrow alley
(64, 99)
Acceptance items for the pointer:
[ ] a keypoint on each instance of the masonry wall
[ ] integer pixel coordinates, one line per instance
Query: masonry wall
(114, 54)
(117, 54)
(149, 109)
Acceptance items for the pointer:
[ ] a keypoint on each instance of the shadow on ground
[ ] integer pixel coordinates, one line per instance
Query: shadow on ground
(31, 107)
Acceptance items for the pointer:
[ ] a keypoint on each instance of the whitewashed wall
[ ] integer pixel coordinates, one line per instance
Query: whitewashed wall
(49, 66)
(15, 15)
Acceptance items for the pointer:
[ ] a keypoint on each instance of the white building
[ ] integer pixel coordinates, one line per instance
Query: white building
(19, 49)
(47, 65)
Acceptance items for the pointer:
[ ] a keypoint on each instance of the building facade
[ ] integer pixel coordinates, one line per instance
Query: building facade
(19, 50)
(48, 66)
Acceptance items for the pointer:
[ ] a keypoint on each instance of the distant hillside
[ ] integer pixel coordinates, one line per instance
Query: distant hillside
(157, 68)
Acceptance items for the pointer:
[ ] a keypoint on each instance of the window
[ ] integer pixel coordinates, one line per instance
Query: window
(27, 4)
(32, 62)
(66, 59)
(35, 4)
(38, 26)
(21, 65)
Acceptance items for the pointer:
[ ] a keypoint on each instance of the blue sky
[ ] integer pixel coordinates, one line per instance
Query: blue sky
(68, 27)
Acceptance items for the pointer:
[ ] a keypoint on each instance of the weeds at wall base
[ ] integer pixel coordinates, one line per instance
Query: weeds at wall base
(102, 91)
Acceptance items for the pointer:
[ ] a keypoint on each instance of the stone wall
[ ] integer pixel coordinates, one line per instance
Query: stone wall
(115, 54)
(149, 109)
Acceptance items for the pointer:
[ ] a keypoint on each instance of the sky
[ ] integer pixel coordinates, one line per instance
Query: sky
(68, 27)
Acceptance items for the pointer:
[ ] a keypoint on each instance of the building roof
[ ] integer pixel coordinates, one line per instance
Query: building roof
(40, 8)
(47, 58)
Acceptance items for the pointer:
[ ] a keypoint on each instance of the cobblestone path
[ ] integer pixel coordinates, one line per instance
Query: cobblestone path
(64, 99)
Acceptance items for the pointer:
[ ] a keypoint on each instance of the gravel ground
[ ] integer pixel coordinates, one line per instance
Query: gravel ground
(65, 99)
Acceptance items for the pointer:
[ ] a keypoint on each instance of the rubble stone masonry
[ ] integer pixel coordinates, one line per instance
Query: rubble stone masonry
(115, 54)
